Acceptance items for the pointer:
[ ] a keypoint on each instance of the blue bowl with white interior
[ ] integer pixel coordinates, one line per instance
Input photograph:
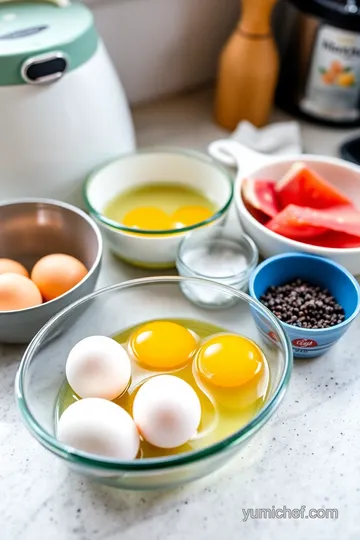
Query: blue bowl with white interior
(281, 269)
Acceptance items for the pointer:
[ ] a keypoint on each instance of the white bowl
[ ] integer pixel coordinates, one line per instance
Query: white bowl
(343, 175)
(155, 249)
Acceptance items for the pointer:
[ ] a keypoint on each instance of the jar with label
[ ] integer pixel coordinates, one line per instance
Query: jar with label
(320, 74)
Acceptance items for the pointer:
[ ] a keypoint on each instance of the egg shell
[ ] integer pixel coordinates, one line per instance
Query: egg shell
(167, 411)
(99, 367)
(57, 274)
(99, 427)
(18, 292)
(8, 266)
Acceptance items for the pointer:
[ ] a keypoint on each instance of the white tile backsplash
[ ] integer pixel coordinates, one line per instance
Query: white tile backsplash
(163, 46)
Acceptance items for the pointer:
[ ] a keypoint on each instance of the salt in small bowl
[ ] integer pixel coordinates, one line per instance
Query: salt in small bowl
(218, 254)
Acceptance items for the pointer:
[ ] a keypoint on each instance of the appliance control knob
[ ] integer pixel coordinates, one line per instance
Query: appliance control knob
(44, 69)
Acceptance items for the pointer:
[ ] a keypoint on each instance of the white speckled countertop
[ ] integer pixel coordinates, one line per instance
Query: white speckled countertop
(308, 454)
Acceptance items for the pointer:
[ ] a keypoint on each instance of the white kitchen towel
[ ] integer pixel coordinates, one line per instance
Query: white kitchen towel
(280, 138)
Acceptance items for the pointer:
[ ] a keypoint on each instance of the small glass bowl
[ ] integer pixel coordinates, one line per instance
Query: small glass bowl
(224, 256)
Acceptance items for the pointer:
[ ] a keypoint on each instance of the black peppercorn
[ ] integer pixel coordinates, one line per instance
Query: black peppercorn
(302, 304)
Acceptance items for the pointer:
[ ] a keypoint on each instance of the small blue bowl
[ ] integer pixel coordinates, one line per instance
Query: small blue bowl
(322, 272)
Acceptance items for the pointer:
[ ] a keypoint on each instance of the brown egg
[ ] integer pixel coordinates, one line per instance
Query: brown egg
(18, 292)
(8, 266)
(56, 274)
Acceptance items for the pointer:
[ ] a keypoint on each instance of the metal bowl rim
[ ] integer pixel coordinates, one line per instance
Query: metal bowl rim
(85, 217)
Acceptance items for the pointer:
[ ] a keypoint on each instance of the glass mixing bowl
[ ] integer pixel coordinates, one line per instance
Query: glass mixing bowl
(179, 167)
(108, 311)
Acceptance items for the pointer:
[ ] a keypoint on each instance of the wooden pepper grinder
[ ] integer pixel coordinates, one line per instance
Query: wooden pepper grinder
(248, 68)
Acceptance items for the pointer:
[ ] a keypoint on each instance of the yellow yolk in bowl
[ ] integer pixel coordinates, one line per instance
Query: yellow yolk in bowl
(162, 345)
(190, 215)
(148, 218)
(229, 361)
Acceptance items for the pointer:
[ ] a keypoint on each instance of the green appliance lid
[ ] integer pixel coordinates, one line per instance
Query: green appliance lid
(40, 41)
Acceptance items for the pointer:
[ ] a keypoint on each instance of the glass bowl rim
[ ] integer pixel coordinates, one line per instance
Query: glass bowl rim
(235, 278)
(199, 156)
(149, 464)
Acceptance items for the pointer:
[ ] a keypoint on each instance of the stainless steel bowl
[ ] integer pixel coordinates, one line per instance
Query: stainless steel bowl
(33, 228)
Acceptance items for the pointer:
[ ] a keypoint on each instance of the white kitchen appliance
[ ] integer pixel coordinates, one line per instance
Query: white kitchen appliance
(63, 111)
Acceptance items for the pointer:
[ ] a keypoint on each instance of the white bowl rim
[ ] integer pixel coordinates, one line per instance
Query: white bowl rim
(149, 234)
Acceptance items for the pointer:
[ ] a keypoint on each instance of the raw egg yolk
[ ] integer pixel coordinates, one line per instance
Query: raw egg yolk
(148, 218)
(190, 215)
(229, 361)
(162, 345)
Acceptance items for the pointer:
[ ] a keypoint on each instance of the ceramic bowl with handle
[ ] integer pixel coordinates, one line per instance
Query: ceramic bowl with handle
(33, 228)
(343, 175)
(155, 249)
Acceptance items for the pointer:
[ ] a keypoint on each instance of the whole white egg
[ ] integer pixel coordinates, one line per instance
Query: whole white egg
(167, 411)
(100, 427)
(98, 366)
